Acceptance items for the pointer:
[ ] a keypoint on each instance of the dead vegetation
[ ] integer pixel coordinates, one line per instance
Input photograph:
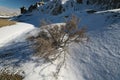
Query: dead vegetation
(4, 75)
(6, 22)
(51, 38)
(52, 41)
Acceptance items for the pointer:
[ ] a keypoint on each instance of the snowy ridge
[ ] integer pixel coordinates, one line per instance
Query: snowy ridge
(113, 10)
(55, 12)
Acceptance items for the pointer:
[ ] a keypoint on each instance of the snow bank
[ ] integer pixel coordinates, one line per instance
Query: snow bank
(9, 33)
(4, 17)
(113, 10)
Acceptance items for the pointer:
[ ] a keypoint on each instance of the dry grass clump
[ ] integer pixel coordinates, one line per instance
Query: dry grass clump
(6, 22)
(7, 76)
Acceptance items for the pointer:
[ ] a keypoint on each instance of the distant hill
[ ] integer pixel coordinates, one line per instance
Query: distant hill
(4, 11)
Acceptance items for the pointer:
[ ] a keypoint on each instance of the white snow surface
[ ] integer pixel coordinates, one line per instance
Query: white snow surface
(64, 1)
(4, 16)
(113, 10)
(9, 33)
(97, 59)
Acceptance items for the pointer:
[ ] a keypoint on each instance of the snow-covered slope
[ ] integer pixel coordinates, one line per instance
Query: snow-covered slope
(9, 33)
(55, 12)
(97, 59)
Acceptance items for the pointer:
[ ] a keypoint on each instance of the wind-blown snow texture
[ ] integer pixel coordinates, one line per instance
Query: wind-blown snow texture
(97, 59)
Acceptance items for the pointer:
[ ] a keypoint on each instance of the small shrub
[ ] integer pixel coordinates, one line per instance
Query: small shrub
(7, 76)
(52, 38)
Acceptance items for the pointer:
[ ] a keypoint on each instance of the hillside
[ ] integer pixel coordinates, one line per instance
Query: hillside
(98, 58)
(4, 11)
(59, 11)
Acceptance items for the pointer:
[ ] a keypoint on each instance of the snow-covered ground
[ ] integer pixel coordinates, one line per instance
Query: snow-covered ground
(9, 33)
(4, 17)
(113, 10)
(97, 59)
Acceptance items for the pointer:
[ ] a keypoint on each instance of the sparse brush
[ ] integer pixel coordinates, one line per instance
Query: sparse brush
(54, 37)
(53, 40)
(10, 76)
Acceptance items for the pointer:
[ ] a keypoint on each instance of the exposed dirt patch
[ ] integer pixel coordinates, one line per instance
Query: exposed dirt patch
(6, 22)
